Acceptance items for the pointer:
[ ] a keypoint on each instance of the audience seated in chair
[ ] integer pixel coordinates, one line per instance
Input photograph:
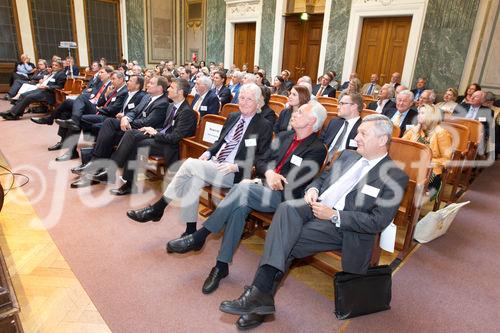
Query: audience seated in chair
(384, 102)
(403, 115)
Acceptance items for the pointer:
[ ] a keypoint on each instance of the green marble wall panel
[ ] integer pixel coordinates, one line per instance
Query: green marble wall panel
(216, 27)
(135, 30)
(267, 36)
(337, 36)
(445, 41)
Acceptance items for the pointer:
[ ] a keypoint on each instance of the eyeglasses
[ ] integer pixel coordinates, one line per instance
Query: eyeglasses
(346, 103)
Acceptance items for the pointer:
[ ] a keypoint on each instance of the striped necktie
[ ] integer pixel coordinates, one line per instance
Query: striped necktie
(235, 140)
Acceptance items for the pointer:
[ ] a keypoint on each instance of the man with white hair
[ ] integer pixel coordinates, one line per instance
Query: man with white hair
(288, 167)
(428, 96)
(244, 139)
(205, 101)
(236, 85)
(339, 211)
(403, 115)
(384, 102)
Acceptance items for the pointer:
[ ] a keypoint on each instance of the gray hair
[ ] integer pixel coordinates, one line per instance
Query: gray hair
(238, 74)
(432, 95)
(307, 85)
(305, 78)
(205, 80)
(390, 89)
(256, 91)
(406, 93)
(250, 77)
(119, 75)
(319, 113)
(382, 125)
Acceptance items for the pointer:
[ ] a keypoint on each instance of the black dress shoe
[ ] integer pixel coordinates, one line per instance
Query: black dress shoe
(83, 182)
(146, 214)
(183, 245)
(78, 170)
(213, 279)
(68, 123)
(101, 176)
(122, 190)
(42, 120)
(69, 155)
(9, 116)
(57, 146)
(6, 97)
(249, 321)
(251, 301)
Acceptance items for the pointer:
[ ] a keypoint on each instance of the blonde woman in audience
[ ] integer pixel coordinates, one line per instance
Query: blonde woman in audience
(354, 87)
(299, 96)
(448, 105)
(429, 132)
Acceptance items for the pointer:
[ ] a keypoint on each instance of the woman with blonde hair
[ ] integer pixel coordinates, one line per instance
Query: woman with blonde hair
(448, 105)
(429, 132)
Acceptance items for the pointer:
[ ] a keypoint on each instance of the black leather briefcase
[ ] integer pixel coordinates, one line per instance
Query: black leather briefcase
(357, 295)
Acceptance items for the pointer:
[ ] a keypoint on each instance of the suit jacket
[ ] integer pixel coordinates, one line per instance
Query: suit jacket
(268, 114)
(115, 104)
(312, 153)
(235, 91)
(153, 116)
(76, 70)
(333, 128)
(282, 123)
(246, 156)
(57, 82)
(366, 86)
(288, 84)
(364, 216)
(209, 105)
(224, 95)
(410, 119)
(486, 117)
(329, 91)
(417, 91)
(389, 105)
(183, 125)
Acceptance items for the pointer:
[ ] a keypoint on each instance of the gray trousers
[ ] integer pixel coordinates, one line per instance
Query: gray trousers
(296, 233)
(233, 211)
(188, 182)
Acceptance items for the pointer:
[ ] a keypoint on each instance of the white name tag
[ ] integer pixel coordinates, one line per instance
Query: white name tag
(409, 126)
(173, 122)
(203, 108)
(250, 143)
(144, 115)
(353, 143)
(131, 106)
(296, 160)
(388, 238)
(482, 119)
(370, 190)
(52, 80)
(92, 95)
(113, 99)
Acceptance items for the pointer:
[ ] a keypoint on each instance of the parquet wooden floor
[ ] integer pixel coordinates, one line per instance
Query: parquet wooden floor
(50, 296)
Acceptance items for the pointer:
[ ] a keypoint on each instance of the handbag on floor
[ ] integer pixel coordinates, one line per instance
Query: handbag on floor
(435, 224)
(357, 295)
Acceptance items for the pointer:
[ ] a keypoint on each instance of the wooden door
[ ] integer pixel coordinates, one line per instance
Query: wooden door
(244, 44)
(382, 47)
(301, 46)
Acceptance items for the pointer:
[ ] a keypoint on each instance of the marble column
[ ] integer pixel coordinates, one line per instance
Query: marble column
(216, 27)
(445, 41)
(267, 36)
(337, 36)
(135, 31)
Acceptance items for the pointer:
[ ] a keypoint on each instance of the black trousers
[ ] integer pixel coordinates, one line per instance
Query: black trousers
(29, 97)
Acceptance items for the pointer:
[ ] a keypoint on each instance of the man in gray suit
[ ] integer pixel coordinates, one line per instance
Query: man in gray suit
(344, 209)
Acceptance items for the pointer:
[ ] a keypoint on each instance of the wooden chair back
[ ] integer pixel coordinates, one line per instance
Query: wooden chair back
(415, 159)
(337, 93)
(328, 100)
(368, 98)
(277, 107)
(77, 87)
(396, 131)
(189, 99)
(330, 107)
(68, 85)
(195, 146)
(279, 98)
(329, 117)
(366, 112)
(229, 108)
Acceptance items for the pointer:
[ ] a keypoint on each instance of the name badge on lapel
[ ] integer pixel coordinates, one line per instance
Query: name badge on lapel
(370, 190)
(113, 99)
(353, 143)
(92, 95)
(144, 115)
(173, 122)
(482, 119)
(409, 126)
(296, 160)
(250, 142)
(131, 106)
(203, 108)
(52, 80)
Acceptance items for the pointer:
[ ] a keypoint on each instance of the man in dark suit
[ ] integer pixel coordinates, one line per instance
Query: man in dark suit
(420, 86)
(45, 92)
(341, 131)
(205, 101)
(384, 102)
(288, 167)
(70, 69)
(244, 139)
(155, 111)
(343, 209)
(324, 89)
(403, 115)
(285, 74)
(220, 89)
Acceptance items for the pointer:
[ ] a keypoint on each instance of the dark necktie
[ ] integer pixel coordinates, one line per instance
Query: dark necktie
(168, 121)
(235, 140)
(370, 89)
(340, 139)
